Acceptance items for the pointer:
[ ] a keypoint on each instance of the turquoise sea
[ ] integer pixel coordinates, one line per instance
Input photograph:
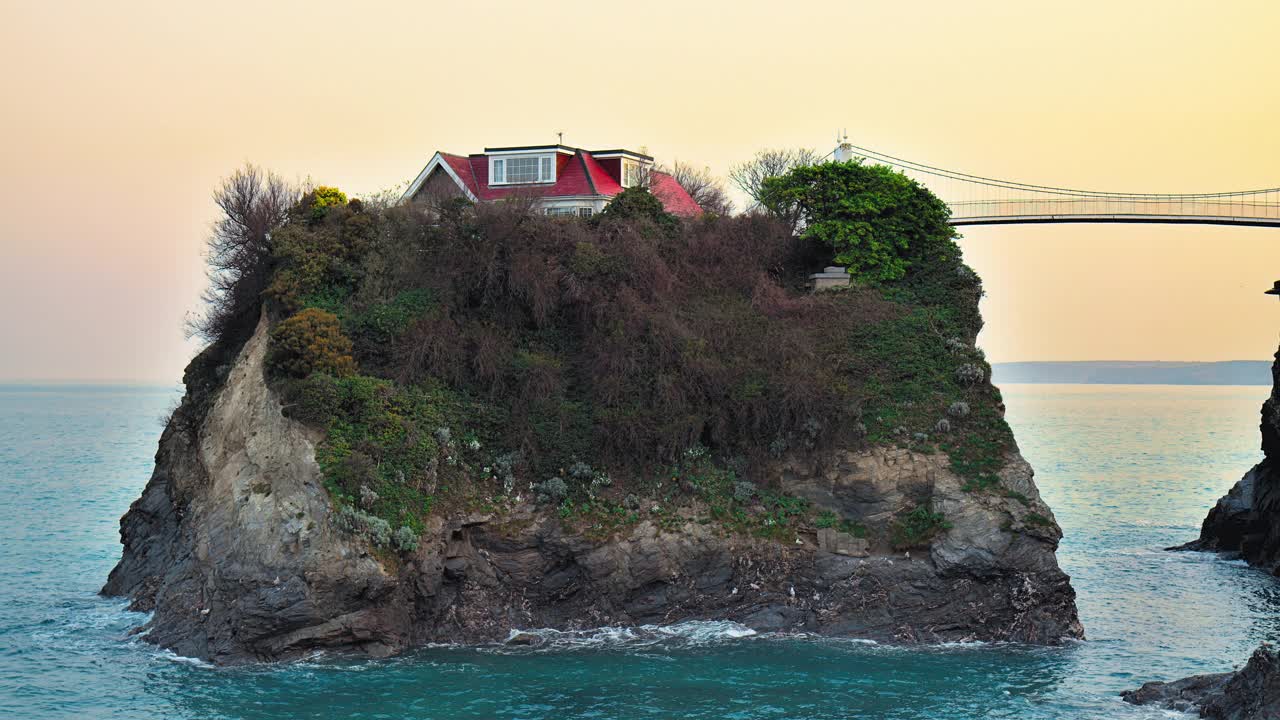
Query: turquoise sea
(1128, 470)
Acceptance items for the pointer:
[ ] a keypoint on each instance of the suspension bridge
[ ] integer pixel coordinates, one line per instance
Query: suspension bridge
(977, 200)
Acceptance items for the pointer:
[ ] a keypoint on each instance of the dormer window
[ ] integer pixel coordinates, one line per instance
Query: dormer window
(632, 173)
(522, 169)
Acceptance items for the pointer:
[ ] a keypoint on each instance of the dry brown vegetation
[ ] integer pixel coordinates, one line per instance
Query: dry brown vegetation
(495, 346)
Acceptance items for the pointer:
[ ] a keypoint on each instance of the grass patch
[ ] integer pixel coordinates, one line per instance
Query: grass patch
(1014, 495)
(917, 527)
(831, 519)
(1035, 518)
(914, 381)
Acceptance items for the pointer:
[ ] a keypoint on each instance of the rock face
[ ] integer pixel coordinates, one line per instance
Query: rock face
(1252, 693)
(1247, 519)
(232, 546)
(230, 543)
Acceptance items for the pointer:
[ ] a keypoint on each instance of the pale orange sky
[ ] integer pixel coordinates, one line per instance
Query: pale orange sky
(120, 118)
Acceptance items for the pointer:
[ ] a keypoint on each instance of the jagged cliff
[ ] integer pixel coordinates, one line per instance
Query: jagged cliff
(234, 548)
(1247, 519)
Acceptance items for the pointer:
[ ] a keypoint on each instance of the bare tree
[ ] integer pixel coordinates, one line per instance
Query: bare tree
(253, 202)
(706, 189)
(384, 198)
(642, 176)
(750, 175)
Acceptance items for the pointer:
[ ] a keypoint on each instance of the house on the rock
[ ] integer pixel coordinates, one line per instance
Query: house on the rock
(564, 180)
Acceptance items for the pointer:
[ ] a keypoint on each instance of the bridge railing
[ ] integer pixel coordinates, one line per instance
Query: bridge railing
(981, 199)
(1180, 207)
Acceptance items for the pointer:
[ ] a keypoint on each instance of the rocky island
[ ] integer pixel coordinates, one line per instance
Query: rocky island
(445, 422)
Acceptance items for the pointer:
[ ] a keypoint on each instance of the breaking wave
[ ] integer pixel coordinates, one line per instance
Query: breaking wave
(692, 633)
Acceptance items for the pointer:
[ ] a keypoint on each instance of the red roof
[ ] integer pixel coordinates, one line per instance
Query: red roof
(674, 198)
(577, 175)
(605, 183)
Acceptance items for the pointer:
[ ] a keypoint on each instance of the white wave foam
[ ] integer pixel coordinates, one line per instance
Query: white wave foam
(174, 657)
(686, 634)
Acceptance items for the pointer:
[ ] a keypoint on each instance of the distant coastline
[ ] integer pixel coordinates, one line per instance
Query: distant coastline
(1140, 372)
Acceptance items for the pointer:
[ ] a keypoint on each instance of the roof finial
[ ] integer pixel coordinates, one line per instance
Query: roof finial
(560, 138)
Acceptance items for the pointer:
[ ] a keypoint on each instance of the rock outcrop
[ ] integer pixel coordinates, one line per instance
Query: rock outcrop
(1251, 693)
(1247, 519)
(1246, 522)
(230, 544)
(233, 548)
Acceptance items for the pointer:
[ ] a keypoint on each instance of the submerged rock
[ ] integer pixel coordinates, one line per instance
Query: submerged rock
(1251, 693)
(234, 547)
(524, 638)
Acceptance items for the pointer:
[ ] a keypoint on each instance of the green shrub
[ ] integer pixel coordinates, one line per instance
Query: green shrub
(553, 490)
(358, 522)
(970, 374)
(311, 342)
(380, 326)
(380, 435)
(978, 453)
(323, 198)
(831, 519)
(319, 264)
(353, 472)
(637, 204)
(828, 519)
(504, 469)
(879, 221)
(917, 527)
(406, 540)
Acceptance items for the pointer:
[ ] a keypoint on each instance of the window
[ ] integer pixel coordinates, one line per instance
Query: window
(582, 212)
(523, 169)
(632, 174)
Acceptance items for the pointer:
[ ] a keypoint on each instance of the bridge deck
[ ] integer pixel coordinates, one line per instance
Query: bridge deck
(978, 200)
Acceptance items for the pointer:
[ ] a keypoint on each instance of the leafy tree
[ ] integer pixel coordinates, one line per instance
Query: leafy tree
(311, 341)
(879, 221)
